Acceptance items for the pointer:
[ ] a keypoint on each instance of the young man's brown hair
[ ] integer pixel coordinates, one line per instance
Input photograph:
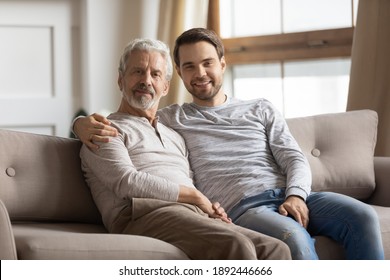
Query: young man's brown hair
(196, 35)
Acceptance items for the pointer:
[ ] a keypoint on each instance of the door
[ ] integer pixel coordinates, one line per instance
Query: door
(35, 66)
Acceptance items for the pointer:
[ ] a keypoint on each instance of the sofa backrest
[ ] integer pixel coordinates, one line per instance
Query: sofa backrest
(340, 150)
(41, 179)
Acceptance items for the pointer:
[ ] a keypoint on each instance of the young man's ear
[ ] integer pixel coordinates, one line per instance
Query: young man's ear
(223, 63)
(178, 70)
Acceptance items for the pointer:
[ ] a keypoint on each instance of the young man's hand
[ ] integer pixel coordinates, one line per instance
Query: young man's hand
(94, 128)
(296, 207)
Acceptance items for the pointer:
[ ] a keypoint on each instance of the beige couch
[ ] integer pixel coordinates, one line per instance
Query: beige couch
(46, 211)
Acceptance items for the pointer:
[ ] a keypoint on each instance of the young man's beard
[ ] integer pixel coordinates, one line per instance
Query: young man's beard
(207, 96)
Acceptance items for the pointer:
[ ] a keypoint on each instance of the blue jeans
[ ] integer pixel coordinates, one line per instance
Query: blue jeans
(348, 221)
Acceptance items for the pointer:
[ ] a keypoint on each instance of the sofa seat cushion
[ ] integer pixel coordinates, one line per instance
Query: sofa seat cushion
(340, 150)
(63, 241)
(328, 249)
(384, 220)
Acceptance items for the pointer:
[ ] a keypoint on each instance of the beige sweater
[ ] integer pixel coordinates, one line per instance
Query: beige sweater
(143, 162)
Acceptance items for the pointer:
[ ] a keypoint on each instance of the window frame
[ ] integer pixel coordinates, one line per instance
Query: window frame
(318, 44)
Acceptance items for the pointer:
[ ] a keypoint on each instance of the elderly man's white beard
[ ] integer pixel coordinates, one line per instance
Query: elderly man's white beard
(143, 102)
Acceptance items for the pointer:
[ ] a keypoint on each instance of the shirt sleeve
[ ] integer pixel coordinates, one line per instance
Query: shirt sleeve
(72, 126)
(111, 167)
(288, 155)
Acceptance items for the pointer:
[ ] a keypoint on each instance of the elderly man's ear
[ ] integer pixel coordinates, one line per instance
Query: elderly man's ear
(120, 82)
(166, 89)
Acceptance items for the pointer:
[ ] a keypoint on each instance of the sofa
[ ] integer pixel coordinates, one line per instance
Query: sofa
(47, 212)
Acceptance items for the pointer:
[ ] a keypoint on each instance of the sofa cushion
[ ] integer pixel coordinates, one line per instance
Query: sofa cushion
(340, 150)
(328, 249)
(61, 241)
(384, 220)
(41, 179)
(7, 244)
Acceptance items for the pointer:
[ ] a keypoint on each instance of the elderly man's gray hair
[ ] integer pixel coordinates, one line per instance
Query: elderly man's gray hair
(147, 45)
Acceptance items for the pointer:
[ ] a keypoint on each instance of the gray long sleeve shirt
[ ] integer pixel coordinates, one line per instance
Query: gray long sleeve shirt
(239, 149)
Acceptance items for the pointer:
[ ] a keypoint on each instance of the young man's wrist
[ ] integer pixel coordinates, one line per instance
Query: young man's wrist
(72, 125)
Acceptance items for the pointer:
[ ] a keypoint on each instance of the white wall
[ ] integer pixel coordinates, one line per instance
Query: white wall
(93, 32)
(36, 66)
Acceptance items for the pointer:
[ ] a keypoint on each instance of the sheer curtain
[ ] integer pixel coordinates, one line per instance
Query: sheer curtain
(175, 17)
(370, 68)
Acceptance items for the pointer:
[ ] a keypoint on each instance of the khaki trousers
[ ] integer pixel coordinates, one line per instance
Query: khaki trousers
(200, 237)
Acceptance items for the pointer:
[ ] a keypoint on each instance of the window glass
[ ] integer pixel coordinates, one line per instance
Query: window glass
(355, 10)
(298, 88)
(316, 87)
(250, 17)
(304, 15)
(305, 88)
(240, 18)
(259, 81)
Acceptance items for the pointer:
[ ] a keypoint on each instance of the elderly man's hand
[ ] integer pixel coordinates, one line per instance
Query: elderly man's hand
(219, 212)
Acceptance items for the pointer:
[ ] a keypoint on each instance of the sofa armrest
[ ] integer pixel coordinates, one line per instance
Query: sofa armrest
(381, 195)
(7, 240)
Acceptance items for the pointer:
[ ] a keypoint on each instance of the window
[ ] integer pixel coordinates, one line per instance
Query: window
(295, 53)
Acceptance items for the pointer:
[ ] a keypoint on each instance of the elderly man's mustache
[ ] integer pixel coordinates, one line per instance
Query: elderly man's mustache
(143, 87)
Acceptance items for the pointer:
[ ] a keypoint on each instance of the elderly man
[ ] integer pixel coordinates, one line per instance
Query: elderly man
(141, 180)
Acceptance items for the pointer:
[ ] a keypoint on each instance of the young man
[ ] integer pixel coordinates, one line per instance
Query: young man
(244, 156)
(141, 180)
